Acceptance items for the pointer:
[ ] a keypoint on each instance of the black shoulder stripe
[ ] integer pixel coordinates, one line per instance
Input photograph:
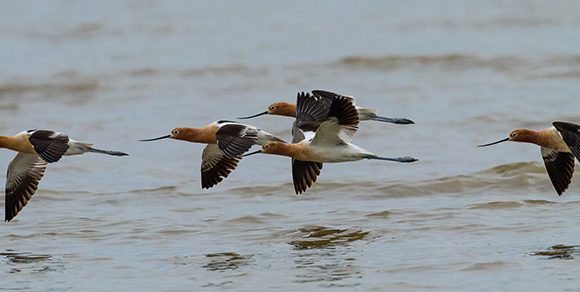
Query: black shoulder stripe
(571, 135)
(234, 140)
(49, 145)
(224, 121)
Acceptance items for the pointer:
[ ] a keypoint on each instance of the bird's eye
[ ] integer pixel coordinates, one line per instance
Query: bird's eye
(514, 134)
(272, 108)
(175, 132)
(266, 146)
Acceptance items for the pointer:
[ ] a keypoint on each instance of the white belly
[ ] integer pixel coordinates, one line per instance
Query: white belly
(340, 153)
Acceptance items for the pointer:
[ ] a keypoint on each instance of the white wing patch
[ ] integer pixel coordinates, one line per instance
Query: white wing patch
(331, 133)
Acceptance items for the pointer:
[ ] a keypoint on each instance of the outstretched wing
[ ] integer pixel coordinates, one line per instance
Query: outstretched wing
(571, 135)
(304, 174)
(49, 145)
(311, 111)
(215, 166)
(560, 167)
(24, 174)
(341, 125)
(235, 139)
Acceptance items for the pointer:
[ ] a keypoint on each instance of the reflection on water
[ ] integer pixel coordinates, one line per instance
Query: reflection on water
(226, 261)
(314, 237)
(324, 255)
(28, 262)
(114, 72)
(559, 252)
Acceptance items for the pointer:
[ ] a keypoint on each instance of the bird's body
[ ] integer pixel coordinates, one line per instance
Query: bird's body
(322, 133)
(558, 145)
(225, 141)
(36, 148)
(306, 151)
(365, 114)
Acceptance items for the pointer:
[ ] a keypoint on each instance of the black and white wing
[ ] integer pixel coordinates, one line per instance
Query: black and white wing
(341, 124)
(215, 166)
(560, 167)
(49, 145)
(236, 139)
(24, 174)
(311, 111)
(304, 174)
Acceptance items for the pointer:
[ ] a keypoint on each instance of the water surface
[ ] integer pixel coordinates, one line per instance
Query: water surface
(461, 218)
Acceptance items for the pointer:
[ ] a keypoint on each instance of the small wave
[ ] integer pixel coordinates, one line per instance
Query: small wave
(497, 205)
(490, 266)
(81, 31)
(574, 74)
(513, 169)
(260, 190)
(226, 69)
(258, 219)
(49, 88)
(525, 177)
(154, 190)
(553, 67)
(72, 92)
(380, 215)
(448, 61)
(538, 202)
(247, 220)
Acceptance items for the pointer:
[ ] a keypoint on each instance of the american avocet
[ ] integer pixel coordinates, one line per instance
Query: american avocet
(365, 114)
(226, 142)
(321, 134)
(36, 148)
(559, 145)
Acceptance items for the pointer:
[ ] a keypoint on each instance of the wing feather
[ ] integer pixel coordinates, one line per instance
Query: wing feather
(560, 167)
(571, 135)
(304, 174)
(235, 139)
(49, 145)
(215, 166)
(24, 173)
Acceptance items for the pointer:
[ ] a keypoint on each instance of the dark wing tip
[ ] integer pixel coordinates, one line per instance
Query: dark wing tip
(17, 198)
(560, 170)
(310, 111)
(344, 110)
(304, 174)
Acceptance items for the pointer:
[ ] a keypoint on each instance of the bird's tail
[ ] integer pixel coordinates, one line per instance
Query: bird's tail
(109, 152)
(399, 121)
(406, 159)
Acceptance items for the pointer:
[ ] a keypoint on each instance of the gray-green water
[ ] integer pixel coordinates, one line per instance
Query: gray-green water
(462, 218)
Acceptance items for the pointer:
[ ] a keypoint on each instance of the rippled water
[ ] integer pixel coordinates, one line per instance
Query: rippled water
(461, 218)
